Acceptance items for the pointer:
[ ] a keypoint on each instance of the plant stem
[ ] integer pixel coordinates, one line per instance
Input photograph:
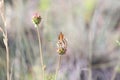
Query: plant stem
(5, 40)
(91, 40)
(7, 51)
(7, 56)
(114, 73)
(58, 66)
(40, 47)
(11, 70)
(90, 73)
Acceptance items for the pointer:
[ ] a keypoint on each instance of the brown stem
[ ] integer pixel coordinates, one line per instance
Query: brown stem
(41, 55)
(58, 66)
(8, 61)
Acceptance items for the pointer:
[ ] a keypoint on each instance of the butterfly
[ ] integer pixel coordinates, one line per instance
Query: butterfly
(61, 44)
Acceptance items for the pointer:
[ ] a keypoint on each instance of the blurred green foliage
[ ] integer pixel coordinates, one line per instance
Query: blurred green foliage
(89, 6)
(118, 42)
(44, 5)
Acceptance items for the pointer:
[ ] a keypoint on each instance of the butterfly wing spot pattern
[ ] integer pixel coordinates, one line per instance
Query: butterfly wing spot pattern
(61, 44)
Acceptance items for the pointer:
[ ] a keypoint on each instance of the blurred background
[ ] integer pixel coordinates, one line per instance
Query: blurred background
(91, 28)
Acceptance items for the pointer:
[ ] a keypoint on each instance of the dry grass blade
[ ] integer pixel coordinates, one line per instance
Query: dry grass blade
(2, 13)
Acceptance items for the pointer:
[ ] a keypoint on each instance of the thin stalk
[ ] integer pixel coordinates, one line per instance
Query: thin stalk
(58, 66)
(90, 57)
(11, 71)
(8, 61)
(91, 39)
(41, 55)
(90, 73)
(7, 51)
(7, 55)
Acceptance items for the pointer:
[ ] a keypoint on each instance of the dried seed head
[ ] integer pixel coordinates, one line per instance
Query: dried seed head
(36, 19)
(61, 44)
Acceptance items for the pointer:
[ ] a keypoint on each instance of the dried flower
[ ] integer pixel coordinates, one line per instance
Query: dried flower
(61, 44)
(36, 19)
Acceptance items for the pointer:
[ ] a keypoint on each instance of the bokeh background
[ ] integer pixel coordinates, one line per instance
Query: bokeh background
(91, 28)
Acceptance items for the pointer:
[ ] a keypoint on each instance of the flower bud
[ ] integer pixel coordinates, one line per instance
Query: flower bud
(36, 19)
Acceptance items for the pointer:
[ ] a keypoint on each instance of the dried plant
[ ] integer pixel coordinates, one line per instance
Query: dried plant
(36, 20)
(5, 39)
(61, 44)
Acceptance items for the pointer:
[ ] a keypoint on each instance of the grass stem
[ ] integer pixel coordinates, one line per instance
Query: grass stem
(41, 55)
(58, 66)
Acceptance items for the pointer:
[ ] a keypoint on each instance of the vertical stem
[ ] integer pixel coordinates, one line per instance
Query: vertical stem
(7, 57)
(90, 61)
(58, 66)
(5, 40)
(90, 72)
(91, 38)
(11, 70)
(40, 47)
(7, 51)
